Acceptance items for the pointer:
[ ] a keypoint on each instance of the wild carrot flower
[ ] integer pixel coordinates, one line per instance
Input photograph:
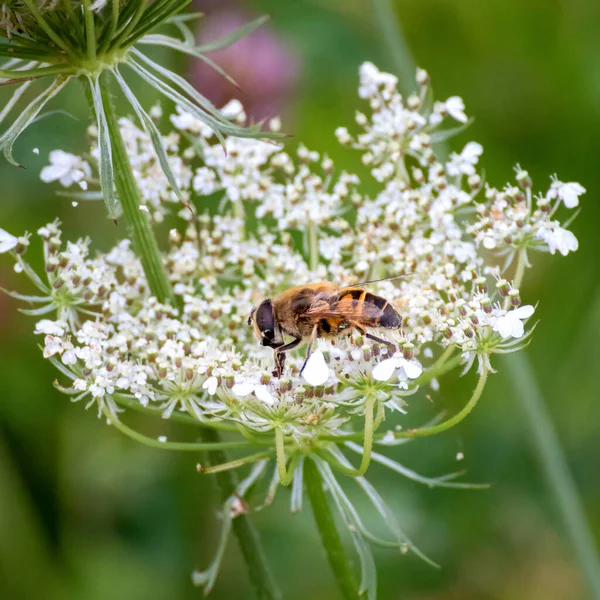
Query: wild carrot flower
(456, 241)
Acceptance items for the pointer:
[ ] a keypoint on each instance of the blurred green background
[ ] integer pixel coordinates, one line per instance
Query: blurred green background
(87, 514)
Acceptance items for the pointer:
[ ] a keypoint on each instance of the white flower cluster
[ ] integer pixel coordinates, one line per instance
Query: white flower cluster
(432, 241)
(431, 222)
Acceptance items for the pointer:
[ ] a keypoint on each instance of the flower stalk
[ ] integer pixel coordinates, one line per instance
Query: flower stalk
(129, 196)
(243, 528)
(330, 537)
(455, 420)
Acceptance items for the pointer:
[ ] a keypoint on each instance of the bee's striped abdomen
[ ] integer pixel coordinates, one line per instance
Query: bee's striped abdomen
(369, 309)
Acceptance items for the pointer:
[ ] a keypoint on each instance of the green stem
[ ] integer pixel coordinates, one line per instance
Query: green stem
(560, 479)
(256, 563)
(285, 477)
(90, 30)
(155, 411)
(234, 464)
(179, 446)
(519, 272)
(328, 531)
(367, 444)
(457, 418)
(144, 241)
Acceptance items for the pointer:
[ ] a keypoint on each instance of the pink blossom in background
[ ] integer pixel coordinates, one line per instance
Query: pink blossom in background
(266, 71)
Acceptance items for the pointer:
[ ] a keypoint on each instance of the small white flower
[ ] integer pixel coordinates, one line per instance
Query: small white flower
(232, 109)
(264, 395)
(456, 108)
(80, 384)
(241, 390)
(65, 167)
(316, 371)
(7, 241)
(36, 150)
(210, 385)
(511, 324)
(49, 327)
(162, 439)
(464, 163)
(384, 370)
(144, 208)
(409, 369)
(558, 238)
(568, 192)
(412, 368)
(69, 357)
(52, 345)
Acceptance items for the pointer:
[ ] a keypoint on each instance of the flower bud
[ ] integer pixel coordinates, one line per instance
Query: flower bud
(474, 181)
(523, 179)
(515, 299)
(503, 287)
(422, 77)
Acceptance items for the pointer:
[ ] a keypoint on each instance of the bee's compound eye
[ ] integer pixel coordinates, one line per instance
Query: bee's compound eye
(265, 320)
(267, 337)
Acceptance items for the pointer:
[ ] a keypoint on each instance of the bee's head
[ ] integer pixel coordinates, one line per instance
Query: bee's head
(263, 319)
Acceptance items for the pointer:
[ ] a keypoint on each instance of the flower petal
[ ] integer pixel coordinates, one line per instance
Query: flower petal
(211, 385)
(316, 371)
(7, 241)
(385, 369)
(264, 395)
(242, 389)
(412, 368)
(524, 312)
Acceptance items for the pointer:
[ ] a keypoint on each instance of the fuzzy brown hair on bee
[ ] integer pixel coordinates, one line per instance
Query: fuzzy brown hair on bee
(319, 310)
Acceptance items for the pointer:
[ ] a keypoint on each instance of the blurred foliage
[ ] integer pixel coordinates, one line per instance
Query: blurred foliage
(85, 513)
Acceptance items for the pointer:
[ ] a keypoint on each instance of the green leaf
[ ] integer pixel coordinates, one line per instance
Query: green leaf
(18, 296)
(219, 125)
(27, 117)
(234, 36)
(152, 131)
(445, 134)
(14, 99)
(153, 18)
(184, 86)
(106, 159)
(175, 44)
(185, 17)
(36, 312)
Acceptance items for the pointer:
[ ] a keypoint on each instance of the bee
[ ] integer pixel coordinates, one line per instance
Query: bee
(319, 310)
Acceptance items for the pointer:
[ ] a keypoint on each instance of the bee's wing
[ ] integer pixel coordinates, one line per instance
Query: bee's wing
(342, 306)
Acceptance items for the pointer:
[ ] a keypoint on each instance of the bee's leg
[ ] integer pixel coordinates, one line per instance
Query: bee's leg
(311, 341)
(280, 356)
(279, 363)
(391, 347)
